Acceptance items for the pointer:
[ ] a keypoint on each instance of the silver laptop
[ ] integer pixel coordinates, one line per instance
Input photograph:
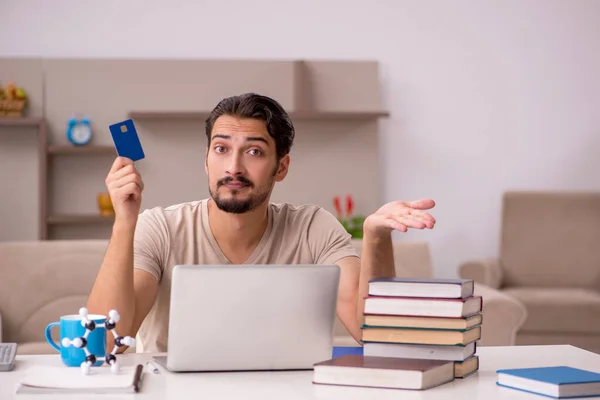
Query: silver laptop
(250, 317)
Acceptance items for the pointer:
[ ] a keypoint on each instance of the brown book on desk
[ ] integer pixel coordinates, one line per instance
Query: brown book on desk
(70, 380)
(383, 372)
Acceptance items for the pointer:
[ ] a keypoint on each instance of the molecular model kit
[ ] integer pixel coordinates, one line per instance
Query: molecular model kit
(81, 342)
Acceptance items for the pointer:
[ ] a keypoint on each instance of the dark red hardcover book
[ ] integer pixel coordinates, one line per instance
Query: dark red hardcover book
(383, 372)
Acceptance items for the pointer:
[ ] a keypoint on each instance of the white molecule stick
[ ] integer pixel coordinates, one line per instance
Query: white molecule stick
(81, 342)
(120, 341)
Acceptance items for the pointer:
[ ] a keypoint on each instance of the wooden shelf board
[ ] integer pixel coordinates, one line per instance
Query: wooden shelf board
(299, 115)
(149, 115)
(90, 149)
(337, 115)
(20, 121)
(78, 219)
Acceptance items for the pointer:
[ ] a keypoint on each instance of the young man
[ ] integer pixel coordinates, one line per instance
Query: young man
(249, 140)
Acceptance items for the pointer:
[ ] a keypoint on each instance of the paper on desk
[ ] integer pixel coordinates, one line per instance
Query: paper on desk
(39, 379)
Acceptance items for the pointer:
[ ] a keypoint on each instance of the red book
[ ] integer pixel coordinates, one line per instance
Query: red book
(383, 372)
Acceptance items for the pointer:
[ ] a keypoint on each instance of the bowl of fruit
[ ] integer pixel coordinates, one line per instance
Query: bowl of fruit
(13, 101)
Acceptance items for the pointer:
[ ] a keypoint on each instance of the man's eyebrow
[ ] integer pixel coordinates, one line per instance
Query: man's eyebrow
(257, 139)
(248, 139)
(219, 135)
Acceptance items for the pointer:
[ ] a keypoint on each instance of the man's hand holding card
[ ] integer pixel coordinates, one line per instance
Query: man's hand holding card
(124, 181)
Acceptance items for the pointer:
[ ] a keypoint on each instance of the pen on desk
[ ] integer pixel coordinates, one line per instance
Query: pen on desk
(137, 378)
(152, 367)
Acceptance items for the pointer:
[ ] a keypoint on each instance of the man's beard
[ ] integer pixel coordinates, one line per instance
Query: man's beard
(239, 206)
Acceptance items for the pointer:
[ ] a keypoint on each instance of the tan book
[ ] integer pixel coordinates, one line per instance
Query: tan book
(421, 336)
(463, 369)
(383, 372)
(400, 321)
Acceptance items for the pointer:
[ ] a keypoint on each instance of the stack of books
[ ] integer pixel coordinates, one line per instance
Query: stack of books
(417, 334)
(431, 319)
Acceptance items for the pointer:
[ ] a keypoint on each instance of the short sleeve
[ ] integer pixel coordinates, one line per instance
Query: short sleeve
(150, 244)
(328, 240)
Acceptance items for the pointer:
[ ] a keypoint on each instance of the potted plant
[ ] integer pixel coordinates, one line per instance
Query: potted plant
(352, 223)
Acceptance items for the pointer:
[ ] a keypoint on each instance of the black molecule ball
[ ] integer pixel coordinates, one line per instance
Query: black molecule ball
(91, 359)
(83, 342)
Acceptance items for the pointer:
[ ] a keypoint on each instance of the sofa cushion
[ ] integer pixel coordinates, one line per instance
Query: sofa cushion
(503, 316)
(35, 348)
(559, 309)
(550, 239)
(41, 281)
(412, 259)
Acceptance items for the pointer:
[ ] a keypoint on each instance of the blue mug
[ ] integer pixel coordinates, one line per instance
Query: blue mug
(72, 327)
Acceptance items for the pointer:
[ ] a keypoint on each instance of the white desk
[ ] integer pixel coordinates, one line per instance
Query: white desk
(297, 385)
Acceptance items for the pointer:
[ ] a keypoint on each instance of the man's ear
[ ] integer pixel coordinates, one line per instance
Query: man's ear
(282, 170)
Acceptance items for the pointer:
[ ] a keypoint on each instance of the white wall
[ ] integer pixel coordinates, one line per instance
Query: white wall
(485, 96)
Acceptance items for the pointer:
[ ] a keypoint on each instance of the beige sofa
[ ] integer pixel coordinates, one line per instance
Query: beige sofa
(40, 281)
(549, 260)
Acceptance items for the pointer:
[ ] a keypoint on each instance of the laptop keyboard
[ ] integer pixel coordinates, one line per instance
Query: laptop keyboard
(8, 352)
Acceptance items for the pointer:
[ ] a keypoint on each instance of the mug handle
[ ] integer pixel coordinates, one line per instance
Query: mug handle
(49, 338)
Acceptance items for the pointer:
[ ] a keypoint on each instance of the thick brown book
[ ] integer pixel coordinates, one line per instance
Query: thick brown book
(383, 372)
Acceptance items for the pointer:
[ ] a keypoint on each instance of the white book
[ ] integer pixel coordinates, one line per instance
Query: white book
(440, 288)
(425, 351)
(50, 379)
(423, 307)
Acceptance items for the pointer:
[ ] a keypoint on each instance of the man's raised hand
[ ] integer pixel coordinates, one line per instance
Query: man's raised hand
(400, 215)
(125, 186)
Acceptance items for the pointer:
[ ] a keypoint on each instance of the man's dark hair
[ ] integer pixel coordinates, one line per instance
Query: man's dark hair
(252, 105)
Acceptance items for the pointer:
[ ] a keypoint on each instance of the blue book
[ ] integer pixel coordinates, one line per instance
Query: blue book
(560, 382)
(339, 351)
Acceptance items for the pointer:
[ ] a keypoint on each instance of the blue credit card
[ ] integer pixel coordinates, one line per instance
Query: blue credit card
(126, 140)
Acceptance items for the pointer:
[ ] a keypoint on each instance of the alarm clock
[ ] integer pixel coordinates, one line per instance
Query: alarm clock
(79, 131)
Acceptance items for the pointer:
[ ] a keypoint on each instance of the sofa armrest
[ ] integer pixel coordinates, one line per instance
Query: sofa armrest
(503, 316)
(485, 271)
